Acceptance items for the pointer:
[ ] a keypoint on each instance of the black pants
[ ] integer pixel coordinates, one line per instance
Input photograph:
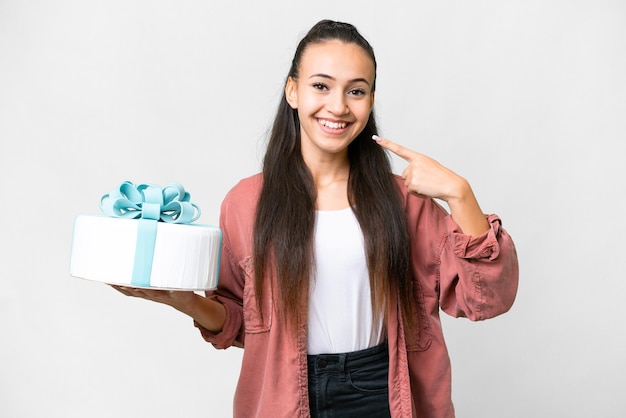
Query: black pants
(350, 385)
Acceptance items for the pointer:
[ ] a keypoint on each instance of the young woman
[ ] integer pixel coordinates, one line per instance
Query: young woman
(334, 270)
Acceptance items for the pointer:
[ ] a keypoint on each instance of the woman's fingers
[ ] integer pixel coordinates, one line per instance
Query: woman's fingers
(402, 152)
(423, 175)
(169, 297)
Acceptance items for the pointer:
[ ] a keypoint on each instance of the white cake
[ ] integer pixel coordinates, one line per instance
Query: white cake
(186, 256)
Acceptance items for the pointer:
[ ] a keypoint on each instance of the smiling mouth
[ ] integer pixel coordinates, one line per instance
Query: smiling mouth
(332, 125)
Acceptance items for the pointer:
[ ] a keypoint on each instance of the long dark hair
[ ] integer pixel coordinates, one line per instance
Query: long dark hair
(285, 217)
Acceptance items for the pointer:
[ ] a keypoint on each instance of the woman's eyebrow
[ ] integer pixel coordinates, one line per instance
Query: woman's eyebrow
(355, 80)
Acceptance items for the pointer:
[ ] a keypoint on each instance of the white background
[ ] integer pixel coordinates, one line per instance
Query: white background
(525, 99)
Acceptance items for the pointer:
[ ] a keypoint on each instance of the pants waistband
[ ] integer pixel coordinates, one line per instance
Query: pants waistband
(347, 361)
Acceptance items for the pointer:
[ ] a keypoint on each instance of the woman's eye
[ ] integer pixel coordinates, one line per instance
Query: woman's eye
(320, 86)
(357, 92)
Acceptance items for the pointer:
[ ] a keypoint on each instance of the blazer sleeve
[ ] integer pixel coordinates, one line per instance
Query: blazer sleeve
(478, 276)
(231, 279)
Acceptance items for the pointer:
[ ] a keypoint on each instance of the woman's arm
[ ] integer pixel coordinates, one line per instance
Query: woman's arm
(205, 311)
(475, 271)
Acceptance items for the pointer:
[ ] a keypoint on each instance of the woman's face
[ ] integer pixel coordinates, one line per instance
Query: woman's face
(333, 95)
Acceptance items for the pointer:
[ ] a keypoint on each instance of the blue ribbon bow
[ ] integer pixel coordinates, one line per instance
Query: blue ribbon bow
(149, 204)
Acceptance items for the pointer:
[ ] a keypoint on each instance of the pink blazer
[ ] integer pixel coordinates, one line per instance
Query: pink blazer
(463, 276)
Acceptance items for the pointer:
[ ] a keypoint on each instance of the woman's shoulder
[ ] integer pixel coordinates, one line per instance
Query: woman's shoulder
(401, 186)
(248, 184)
(244, 195)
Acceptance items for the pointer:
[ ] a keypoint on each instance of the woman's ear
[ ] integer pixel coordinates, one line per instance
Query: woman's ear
(291, 93)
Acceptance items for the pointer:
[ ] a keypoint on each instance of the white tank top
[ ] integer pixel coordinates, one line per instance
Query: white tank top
(340, 308)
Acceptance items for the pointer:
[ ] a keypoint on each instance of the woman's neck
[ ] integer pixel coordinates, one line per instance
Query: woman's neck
(331, 185)
(330, 174)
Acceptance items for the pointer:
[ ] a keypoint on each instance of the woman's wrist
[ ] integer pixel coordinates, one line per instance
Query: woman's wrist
(466, 211)
(207, 312)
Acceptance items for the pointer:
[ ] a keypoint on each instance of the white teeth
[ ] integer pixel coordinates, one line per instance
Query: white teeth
(333, 125)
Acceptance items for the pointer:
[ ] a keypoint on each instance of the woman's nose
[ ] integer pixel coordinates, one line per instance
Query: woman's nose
(337, 104)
